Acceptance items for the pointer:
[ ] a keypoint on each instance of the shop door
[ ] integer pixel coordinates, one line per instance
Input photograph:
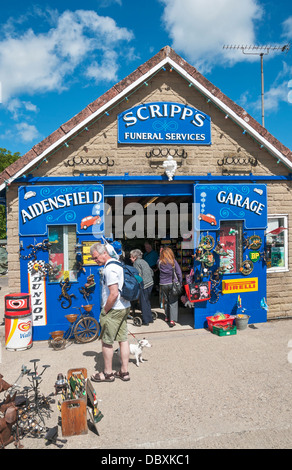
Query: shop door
(229, 226)
(57, 226)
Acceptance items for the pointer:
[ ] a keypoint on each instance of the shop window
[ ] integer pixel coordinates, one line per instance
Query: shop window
(277, 243)
(231, 240)
(62, 256)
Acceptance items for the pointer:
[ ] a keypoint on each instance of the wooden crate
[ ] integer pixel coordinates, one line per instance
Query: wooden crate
(74, 417)
(74, 412)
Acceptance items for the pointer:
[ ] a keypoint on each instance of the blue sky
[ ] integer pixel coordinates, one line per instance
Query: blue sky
(57, 57)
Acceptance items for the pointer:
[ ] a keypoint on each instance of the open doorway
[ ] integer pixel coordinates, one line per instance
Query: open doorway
(159, 220)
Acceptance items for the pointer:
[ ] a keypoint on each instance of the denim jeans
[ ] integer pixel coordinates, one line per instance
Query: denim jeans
(170, 302)
(145, 304)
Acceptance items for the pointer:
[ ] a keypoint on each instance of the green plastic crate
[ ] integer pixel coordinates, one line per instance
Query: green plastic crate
(224, 330)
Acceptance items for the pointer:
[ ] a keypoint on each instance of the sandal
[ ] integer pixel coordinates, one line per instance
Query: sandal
(171, 323)
(125, 376)
(107, 377)
(166, 320)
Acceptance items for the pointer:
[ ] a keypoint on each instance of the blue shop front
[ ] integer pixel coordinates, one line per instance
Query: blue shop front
(222, 256)
(223, 259)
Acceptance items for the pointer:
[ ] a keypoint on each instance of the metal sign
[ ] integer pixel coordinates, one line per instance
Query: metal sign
(164, 123)
(37, 290)
(81, 205)
(231, 286)
(247, 202)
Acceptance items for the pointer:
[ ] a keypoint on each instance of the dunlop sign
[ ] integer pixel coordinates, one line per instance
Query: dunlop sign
(234, 286)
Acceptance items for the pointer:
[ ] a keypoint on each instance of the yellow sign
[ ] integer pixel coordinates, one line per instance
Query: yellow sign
(234, 286)
(87, 260)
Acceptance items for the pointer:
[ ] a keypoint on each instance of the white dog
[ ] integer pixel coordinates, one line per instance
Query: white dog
(137, 349)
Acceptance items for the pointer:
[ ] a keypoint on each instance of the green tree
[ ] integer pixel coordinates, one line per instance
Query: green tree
(6, 158)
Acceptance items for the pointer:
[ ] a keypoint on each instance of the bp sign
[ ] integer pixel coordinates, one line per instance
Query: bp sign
(254, 256)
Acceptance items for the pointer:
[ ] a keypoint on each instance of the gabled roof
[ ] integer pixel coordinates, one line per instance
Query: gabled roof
(165, 57)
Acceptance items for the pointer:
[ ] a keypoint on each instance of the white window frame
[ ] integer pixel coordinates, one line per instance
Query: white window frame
(65, 246)
(286, 267)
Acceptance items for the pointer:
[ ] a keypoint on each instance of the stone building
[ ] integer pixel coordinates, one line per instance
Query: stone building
(116, 152)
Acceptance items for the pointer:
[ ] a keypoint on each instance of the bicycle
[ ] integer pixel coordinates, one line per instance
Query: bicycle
(84, 328)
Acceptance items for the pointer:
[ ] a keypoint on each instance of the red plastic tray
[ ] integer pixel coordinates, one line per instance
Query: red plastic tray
(228, 321)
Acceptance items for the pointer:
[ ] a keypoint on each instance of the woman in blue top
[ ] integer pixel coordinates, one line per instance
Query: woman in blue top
(167, 265)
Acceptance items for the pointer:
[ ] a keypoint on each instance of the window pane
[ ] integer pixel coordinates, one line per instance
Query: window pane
(275, 242)
(231, 239)
(62, 257)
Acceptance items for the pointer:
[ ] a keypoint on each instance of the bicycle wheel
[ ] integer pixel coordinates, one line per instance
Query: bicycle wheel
(86, 330)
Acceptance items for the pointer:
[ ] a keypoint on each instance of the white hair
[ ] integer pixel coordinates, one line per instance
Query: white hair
(98, 247)
(136, 254)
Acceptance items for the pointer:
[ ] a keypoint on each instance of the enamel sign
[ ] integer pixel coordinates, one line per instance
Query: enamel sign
(40, 206)
(37, 290)
(164, 123)
(246, 202)
(231, 286)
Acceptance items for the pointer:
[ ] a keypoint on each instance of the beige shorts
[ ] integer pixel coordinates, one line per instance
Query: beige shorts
(114, 325)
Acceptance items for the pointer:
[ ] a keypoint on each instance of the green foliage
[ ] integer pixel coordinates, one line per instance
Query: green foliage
(2, 223)
(6, 158)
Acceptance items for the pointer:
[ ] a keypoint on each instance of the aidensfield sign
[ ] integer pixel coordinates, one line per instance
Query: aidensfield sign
(164, 123)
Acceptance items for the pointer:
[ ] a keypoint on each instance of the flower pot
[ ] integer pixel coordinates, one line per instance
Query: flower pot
(57, 334)
(88, 307)
(72, 317)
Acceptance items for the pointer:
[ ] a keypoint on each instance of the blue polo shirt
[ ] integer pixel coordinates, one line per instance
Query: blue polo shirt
(151, 258)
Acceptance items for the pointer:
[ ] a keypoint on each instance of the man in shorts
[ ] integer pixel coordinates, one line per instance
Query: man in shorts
(113, 316)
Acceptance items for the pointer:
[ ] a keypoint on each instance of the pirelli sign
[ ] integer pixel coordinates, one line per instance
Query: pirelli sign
(234, 286)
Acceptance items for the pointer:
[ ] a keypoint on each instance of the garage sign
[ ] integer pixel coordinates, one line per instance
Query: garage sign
(215, 203)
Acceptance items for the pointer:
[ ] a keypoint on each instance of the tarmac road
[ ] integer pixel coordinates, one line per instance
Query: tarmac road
(195, 390)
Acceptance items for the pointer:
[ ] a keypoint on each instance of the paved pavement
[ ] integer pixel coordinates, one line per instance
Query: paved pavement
(195, 390)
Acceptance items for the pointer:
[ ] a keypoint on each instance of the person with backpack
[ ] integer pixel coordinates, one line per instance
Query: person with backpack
(113, 316)
(146, 273)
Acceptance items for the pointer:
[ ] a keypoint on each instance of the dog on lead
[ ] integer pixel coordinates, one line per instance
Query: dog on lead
(137, 349)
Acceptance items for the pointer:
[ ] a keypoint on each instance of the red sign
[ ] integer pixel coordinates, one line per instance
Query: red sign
(229, 245)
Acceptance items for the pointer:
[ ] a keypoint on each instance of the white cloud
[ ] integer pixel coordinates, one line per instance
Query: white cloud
(279, 90)
(108, 3)
(277, 93)
(15, 107)
(70, 44)
(287, 27)
(200, 28)
(33, 62)
(27, 132)
(106, 70)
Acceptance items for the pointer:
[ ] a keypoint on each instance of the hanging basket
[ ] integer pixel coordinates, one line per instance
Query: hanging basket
(88, 307)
